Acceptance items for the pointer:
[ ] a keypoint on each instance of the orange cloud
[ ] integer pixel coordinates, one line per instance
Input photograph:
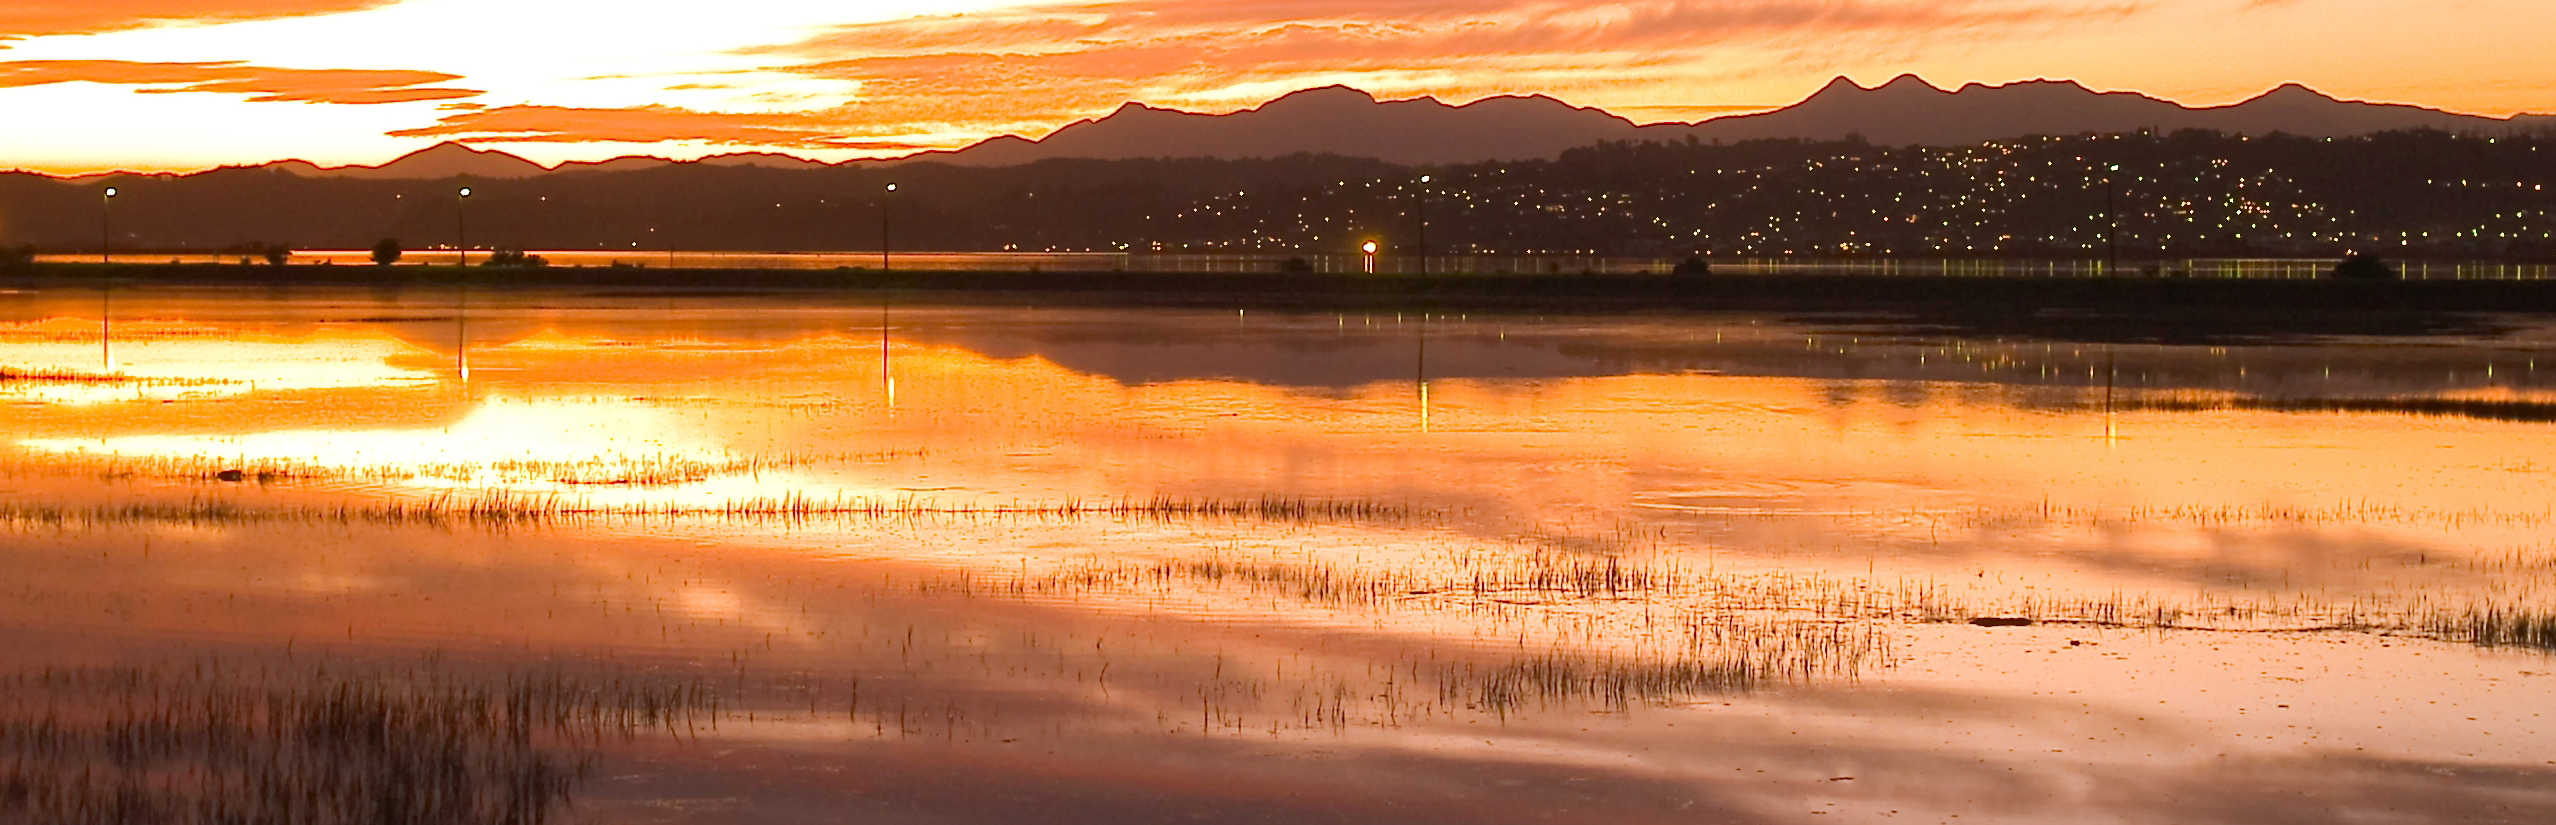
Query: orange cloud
(31, 19)
(1041, 66)
(937, 82)
(645, 124)
(262, 84)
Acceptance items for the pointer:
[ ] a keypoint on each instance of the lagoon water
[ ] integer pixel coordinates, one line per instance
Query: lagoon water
(808, 557)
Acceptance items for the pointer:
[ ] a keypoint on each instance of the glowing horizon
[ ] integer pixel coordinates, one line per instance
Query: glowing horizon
(360, 82)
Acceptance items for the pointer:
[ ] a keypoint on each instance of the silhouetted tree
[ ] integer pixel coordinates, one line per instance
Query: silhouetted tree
(1296, 265)
(386, 252)
(514, 257)
(2364, 267)
(277, 254)
(1694, 266)
(17, 258)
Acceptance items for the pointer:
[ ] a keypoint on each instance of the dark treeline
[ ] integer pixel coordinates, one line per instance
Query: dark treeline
(2190, 194)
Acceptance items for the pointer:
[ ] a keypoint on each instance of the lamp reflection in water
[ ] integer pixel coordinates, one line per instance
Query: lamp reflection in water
(887, 376)
(461, 332)
(106, 324)
(1420, 372)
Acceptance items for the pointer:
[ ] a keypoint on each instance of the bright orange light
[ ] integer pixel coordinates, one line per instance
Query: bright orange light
(1370, 247)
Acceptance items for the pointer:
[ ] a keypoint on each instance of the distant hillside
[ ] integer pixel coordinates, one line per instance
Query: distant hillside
(1905, 111)
(1338, 120)
(443, 160)
(1909, 111)
(2178, 195)
(1330, 120)
(452, 160)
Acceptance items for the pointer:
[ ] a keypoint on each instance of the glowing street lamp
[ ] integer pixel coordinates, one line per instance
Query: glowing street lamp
(1369, 248)
(1422, 238)
(461, 225)
(2111, 225)
(106, 231)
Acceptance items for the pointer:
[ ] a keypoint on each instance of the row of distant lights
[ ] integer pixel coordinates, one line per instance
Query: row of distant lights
(1368, 247)
(465, 191)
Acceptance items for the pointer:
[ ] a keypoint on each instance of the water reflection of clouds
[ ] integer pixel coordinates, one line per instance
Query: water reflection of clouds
(65, 362)
(496, 430)
(1606, 514)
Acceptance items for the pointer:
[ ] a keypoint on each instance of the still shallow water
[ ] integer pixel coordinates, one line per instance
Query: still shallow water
(921, 563)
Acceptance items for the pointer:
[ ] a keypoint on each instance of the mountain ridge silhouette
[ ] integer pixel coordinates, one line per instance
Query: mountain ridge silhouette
(1338, 119)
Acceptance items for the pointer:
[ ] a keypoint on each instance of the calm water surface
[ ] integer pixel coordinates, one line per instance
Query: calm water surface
(799, 558)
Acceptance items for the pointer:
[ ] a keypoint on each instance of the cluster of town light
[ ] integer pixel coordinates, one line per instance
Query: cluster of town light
(2249, 209)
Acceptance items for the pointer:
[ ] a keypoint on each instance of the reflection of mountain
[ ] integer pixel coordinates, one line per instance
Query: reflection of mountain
(1337, 353)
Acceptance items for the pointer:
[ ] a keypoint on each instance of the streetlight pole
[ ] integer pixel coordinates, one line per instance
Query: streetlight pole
(884, 201)
(106, 225)
(461, 226)
(1422, 237)
(1369, 248)
(2111, 224)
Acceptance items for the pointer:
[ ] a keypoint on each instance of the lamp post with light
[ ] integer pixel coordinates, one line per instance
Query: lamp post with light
(106, 225)
(461, 226)
(2111, 224)
(884, 201)
(1370, 249)
(1421, 238)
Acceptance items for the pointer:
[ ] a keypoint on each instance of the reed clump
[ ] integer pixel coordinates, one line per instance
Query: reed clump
(1617, 682)
(511, 508)
(1534, 579)
(219, 744)
(17, 375)
(655, 470)
(1724, 655)
(49, 375)
(2495, 626)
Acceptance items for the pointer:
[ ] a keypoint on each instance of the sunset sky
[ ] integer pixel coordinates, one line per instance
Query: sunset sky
(153, 85)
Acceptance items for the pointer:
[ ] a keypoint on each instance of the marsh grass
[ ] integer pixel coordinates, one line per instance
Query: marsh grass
(214, 743)
(2481, 409)
(1542, 583)
(1536, 578)
(1615, 682)
(18, 375)
(2341, 514)
(504, 509)
(2495, 626)
(1723, 655)
(14, 375)
(621, 470)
